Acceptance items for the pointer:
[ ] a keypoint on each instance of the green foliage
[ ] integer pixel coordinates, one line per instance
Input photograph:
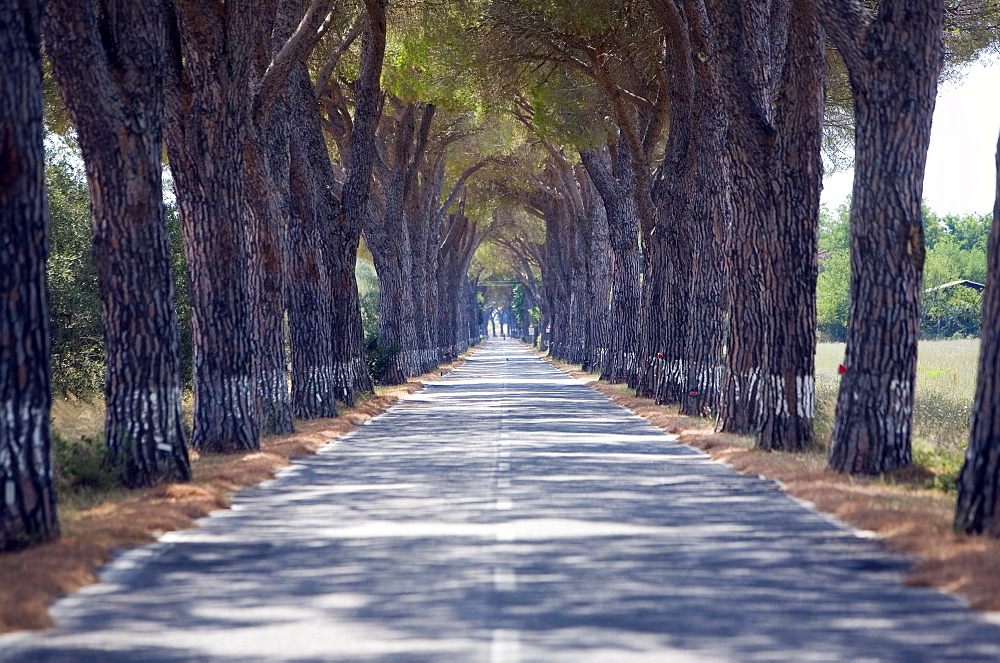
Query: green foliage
(955, 250)
(429, 56)
(517, 306)
(74, 292)
(379, 357)
(834, 280)
(570, 109)
(833, 296)
(364, 272)
(952, 313)
(74, 295)
(83, 465)
(182, 295)
(57, 119)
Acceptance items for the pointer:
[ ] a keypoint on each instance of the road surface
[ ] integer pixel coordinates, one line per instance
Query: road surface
(509, 513)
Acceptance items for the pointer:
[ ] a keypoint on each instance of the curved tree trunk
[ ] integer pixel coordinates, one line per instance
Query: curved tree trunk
(675, 238)
(312, 314)
(27, 494)
(613, 181)
(349, 342)
(893, 61)
(121, 138)
(978, 509)
(649, 379)
(389, 245)
(711, 216)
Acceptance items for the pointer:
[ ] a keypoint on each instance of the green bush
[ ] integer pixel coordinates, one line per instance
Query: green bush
(955, 250)
(955, 312)
(74, 296)
(379, 357)
(83, 465)
(364, 272)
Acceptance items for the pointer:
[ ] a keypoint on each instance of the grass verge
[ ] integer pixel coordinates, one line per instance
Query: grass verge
(910, 520)
(96, 523)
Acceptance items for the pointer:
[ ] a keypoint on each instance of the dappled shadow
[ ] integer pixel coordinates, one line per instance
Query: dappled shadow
(509, 513)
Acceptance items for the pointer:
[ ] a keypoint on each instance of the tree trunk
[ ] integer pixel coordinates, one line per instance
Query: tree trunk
(27, 494)
(349, 335)
(310, 301)
(312, 315)
(599, 279)
(893, 61)
(421, 220)
(648, 381)
(750, 50)
(788, 392)
(121, 136)
(710, 218)
(978, 510)
(389, 245)
(209, 62)
(614, 182)
(387, 235)
(266, 238)
(349, 342)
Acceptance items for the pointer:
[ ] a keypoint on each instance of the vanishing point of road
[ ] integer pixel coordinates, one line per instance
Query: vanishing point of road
(509, 513)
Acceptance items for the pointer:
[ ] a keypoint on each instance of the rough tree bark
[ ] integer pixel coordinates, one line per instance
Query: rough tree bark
(116, 102)
(978, 509)
(283, 37)
(568, 228)
(893, 60)
(750, 52)
(387, 236)
(209, 56)
(599, 276)
(349, 344)
(458, 244)
(612, 176)
(27, 494)
(788, 391)
(669, 247)
(453, 240)
(265, 151)
(309, 286)
(710, 218)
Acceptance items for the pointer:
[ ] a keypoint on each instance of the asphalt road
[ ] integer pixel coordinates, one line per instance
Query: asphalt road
(509, 513)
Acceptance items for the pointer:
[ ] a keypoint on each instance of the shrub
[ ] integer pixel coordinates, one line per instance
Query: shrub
(379, 357)
(83, 465)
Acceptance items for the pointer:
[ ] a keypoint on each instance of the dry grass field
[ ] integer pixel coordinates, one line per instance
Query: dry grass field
(946, 385)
